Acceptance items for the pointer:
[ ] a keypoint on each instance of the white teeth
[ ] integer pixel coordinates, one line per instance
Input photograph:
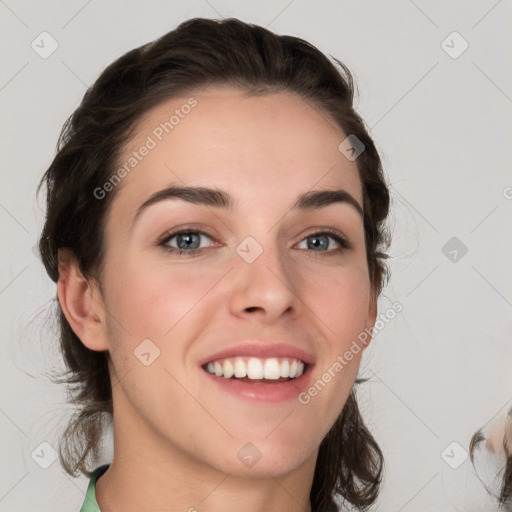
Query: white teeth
(285, 368)
(271, 369)
(293, 369)
(228, 369)
(218, 368)
(255, 368)
(240, 369)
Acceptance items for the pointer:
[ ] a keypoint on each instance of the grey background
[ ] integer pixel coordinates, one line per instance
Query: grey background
(441, 369)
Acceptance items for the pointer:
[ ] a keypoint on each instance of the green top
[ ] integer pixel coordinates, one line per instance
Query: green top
(90, 503)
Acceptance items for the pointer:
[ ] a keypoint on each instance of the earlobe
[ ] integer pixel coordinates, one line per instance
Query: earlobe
(81, 303)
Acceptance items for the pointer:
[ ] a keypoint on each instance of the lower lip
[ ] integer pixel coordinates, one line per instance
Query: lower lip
(261, 392)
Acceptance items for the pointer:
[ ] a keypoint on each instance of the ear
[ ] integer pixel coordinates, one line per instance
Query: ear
(81, 302)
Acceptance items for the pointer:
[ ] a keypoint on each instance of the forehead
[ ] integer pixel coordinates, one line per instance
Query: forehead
(273, 147)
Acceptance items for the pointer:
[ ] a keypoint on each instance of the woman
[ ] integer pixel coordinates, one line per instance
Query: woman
(215, 227)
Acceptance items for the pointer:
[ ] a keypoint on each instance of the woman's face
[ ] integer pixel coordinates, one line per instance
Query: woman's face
(268, 282)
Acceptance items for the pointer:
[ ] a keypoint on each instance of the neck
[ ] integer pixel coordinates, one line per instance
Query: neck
(145, 476)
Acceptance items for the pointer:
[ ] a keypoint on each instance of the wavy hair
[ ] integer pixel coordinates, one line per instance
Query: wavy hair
(198, 53)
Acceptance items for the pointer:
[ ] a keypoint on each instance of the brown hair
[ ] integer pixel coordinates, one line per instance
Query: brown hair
(198, 53)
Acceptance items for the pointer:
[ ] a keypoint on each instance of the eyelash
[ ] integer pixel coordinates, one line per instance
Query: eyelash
(338, 237)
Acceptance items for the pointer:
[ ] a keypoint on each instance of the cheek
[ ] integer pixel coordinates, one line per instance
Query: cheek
(152, 299)
(166, 302)
(341, 305)
(340, 300)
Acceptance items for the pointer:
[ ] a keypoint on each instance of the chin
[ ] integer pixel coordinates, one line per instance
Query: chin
(261, 459)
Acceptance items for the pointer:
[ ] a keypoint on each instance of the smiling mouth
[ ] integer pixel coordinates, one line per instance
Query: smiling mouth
(273, 370)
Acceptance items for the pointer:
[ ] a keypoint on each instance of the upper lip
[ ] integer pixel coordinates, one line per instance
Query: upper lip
(261, 350)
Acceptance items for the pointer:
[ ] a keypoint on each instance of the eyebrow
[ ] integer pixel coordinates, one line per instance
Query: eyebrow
(220, 199)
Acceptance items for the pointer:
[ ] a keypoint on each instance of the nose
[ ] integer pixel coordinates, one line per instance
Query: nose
(265, 287)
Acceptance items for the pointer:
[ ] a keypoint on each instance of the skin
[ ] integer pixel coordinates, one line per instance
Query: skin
(175, 435)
